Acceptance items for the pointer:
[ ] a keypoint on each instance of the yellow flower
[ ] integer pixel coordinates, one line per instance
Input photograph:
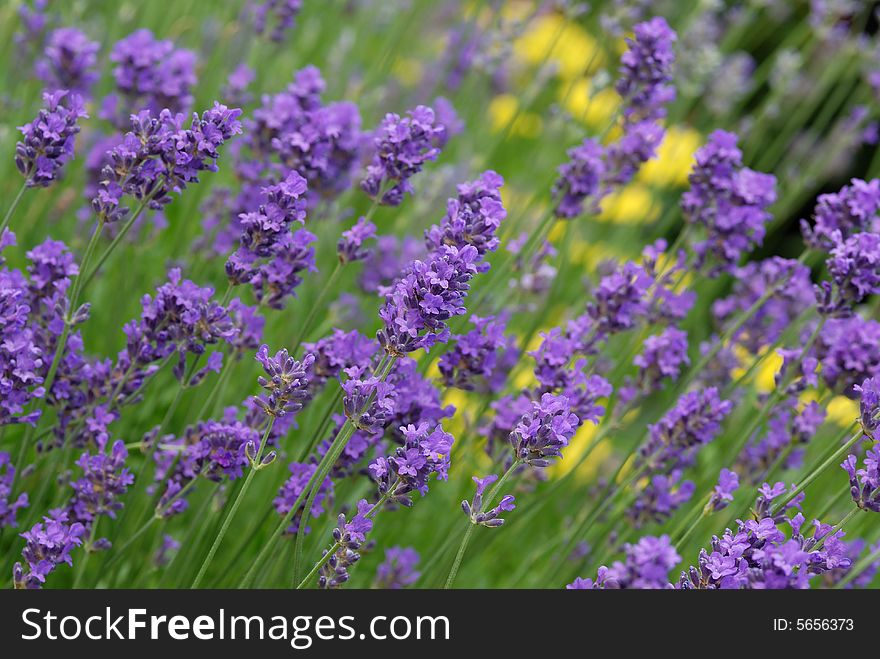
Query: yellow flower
(633, 204)
(555, 38)
(594, 109)
(503, 109)
(842, 411)
(674, 160)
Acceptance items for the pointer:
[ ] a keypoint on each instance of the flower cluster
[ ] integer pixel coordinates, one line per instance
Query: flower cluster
(646, 70)
(865, 483)
(472, 218)
(402, 146)
(663, 356)
(849, 351)
(544, 431)
(294, 487)
(646, 566)
(351, 245)
(282, 12)
(49, 543)
(320, 141)
(9, 506)
(150, 75)
(424, 453)
(398, 570)
(851, 210)
(47, 141)
(159, 156)
(477, 357)
(68, 62)
(728, 200)
(349, 536)
(474, 509)
(286, 382)
(270, 257)
(761, 555)
(854, 266)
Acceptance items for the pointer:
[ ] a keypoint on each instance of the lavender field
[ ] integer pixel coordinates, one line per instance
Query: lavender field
(461, 294)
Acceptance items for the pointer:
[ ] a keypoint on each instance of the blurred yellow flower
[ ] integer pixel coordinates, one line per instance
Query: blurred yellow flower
(593, 109)
(556, 38)
(842, 411)
(675, 156)
(633, 204)
(503, 110)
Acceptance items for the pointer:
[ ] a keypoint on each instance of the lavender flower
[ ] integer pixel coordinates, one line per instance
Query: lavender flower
(851, 210)
(150, 75)
(48, 140)
(351, 245)
(619, 299)
(624, 158)
(350, 536)
(693, 421)
(105, 479)
(671, 447)
(8, 506)
(646, 567)
(282, 12)
(854, 266)
(336, 352)
(849, 351)
(293, 487)
(180, 318)
(869, 404)
(286, 382)
(580, 180)
(474, 509)
(760, 555)
(320, 141)
(475, 357)
(68, 61)
(473, 218)
(368, 402)
(722, 495)
(398, 570)
(646, 70)
(21, 363)
(402, 147)
(424, 453)
(730, 201)
(49, 544)
(542, 433)
(663, 356)
(865, 483)
(792, 294)
(266, 242)
(425, 297)
(159, 155)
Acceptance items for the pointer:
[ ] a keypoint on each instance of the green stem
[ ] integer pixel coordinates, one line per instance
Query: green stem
(255, 466)
(831, 460)
(487, 503)
(113, 244)
(318, 476)
(371, 513)
(348, 429)
(11, 211)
